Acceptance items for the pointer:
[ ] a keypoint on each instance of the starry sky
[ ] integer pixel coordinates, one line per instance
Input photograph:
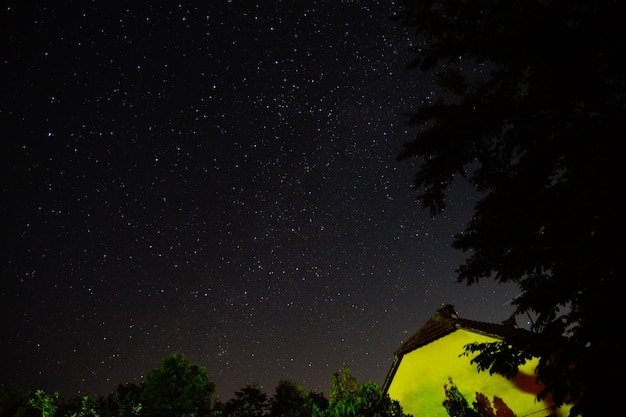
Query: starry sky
(216, 179)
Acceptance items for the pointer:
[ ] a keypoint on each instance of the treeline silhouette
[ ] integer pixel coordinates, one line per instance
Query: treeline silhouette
(181, 388)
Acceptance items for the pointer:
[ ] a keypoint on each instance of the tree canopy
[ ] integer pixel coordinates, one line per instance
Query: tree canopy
(177, 387)
(530, 110)
(249, 401)
(291, 400)
(349, 399)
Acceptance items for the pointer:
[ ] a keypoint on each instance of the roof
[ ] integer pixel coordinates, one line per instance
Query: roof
(443, 323)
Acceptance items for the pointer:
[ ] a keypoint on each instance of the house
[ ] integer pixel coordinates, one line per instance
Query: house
(432, 357)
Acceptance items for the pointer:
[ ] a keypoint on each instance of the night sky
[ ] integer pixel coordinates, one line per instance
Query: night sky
(218, 179)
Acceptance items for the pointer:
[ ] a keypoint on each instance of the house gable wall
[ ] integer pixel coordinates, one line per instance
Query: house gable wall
(422, 373)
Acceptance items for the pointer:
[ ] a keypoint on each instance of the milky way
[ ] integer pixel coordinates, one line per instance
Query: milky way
(216, 179)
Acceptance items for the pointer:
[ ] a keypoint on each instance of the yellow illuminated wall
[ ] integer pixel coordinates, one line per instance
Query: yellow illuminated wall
(420, 378)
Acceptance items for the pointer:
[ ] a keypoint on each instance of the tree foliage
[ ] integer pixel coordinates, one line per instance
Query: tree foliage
(456, 404)
(249, 401)
(531, 112)
(16, 402)
(291, 400)
(46, 403)
(177, 387)
(50, 405)
(124, 402)
(82, 406)
(349, 399)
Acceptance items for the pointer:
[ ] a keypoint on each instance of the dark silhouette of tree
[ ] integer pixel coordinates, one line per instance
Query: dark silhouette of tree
(531, 112)
(456, 404)
(250, 401)
(80, 406)
(124, 402)
(177, 387)
(319, 401)
(15, 403)
(291, 400)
